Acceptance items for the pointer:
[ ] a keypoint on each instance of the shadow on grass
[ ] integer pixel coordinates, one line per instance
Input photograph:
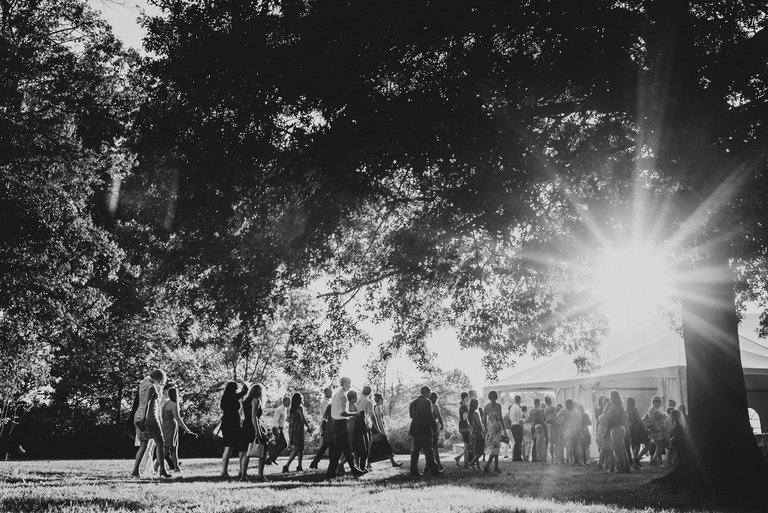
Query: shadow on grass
(637, 495)
(43, 504)
(268, 509)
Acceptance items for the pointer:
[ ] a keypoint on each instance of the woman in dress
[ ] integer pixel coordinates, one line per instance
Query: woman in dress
(571, 432)
(657, 422)
(252, 430)
(297, 422)
(638, 433)
(359, 427)
(494, 425)
(172, 421)
(616, 426)
(586, 436)
(230, 422)
(381, 449)
(154, 426)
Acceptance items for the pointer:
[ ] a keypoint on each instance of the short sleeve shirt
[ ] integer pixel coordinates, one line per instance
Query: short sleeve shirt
(339, 404)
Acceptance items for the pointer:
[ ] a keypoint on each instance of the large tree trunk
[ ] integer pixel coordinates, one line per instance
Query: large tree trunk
(723, 456)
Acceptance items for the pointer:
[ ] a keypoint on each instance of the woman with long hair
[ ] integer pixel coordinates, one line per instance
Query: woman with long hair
(296, 424)
(572, 433)
(252, 430)
(638, 433)
(616, 426)
(657, 421)
(586, 436)
(230, 422)
(172, 421)
(380, 444)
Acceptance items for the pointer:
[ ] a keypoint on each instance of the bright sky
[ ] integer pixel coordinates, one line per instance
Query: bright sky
(123, 15)
(444, 343)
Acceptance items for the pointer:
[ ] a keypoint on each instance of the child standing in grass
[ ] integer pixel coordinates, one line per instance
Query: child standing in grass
(540, 451)
(527, 435)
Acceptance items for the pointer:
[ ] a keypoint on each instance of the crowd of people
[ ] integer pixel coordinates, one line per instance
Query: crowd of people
(353, 430)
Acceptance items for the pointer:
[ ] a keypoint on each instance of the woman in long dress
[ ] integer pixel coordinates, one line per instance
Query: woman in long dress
(154, 426)
(657, 422)
(230, 421)
(638, 433)
(252, 430)
(359, 426)
(616, 425)
(297, 422)
(381, 449)
(172, 421)
(494, 425)
(586, 436)
(571, 433)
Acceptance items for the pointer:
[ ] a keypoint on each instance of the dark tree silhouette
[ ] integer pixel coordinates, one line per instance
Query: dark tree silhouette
(440, 129)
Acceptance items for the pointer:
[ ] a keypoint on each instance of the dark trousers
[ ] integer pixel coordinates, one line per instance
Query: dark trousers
(340, 446)
(365, 453)
(517, 435)
(280, 444)
(320, 453)
(422, 444)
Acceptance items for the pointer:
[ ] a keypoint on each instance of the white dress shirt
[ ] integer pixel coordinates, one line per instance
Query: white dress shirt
(278, 420)
(339, 405)
(515, 414)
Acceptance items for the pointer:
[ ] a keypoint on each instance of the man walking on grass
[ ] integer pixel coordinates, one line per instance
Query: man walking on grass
(324, 403)
(365, 404)
(423, 429)
(340, 414)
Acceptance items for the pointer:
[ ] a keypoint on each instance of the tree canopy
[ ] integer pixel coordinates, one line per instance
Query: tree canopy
(425, 163)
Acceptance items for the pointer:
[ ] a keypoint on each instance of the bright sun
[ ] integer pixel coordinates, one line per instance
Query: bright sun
(630, 284)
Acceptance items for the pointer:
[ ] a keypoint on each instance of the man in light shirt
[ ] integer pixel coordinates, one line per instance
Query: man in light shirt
(339, 415)
(278, 428)
(324, 403)
(516, 420)
(366, 405)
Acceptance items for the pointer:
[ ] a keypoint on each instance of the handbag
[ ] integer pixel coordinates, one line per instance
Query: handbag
(255, 450)
(505, 439)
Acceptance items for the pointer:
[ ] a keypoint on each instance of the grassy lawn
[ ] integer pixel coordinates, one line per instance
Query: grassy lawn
(105, 485)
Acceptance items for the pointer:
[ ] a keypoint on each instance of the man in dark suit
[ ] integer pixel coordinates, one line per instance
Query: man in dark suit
(423, 428)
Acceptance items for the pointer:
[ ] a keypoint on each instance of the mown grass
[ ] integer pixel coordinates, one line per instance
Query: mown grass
(104, 485)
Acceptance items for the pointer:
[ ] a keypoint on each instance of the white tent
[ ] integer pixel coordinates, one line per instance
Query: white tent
(640, 362)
